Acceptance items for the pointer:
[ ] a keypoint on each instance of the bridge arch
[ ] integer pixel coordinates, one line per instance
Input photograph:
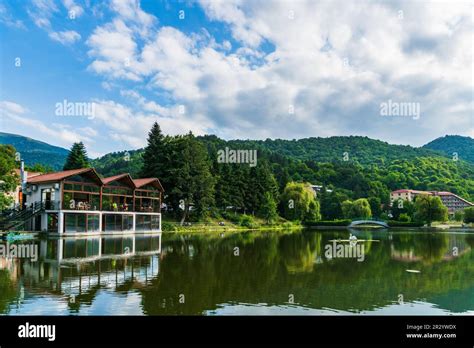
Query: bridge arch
(369, 222)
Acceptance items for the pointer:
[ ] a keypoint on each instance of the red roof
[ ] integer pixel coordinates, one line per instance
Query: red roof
(118, 177)
(57, 176)
(145, 181)
(411, 191)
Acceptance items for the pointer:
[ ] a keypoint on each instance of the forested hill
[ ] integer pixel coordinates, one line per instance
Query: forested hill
(362, 150)
(373, 167)
(36, 152)
(452, 145)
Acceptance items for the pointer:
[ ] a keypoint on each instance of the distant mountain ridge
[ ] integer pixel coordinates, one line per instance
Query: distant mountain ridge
(34, 151)
(454, 145)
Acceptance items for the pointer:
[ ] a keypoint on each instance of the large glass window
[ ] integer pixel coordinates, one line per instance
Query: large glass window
(117, 222)
(81, 222)
(147, 222)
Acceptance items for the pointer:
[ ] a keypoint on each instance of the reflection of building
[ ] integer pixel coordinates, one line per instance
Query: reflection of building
(80, 266)
(80, 201)
(450, 200)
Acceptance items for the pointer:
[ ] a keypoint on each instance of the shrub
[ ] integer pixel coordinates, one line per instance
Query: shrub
(404, 218)
(168, 226)
(393, 223)
(344, 222)
(247, 221)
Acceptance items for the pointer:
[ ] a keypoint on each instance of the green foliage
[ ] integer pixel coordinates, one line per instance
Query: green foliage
(454, 145)
(393, 223)
(401, 207)
(34, 151)
(359, 208)
(8, 179)
(459, 215)
(344, 222)
(247, 221)
(39, 168)
(430, 208)
(404, 218)
(297, 201)
(269, 208)
(120, 162)
(469, 215)
(77, 157)
(183, 166)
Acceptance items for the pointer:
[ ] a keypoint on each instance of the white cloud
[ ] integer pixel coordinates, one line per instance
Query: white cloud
(332, 62)
(7, 18)
(73, 8)
(65, 37)
(17, 117)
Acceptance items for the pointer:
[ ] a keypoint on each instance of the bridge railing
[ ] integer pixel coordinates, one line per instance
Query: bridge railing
(368, 219)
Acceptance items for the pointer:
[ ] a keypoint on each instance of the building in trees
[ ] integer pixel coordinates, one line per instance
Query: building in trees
(450, 200)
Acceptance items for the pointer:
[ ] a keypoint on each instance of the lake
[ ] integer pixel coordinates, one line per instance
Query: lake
(307, 272)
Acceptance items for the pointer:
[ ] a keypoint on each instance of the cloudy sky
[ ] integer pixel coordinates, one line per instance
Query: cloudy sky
(234, 68)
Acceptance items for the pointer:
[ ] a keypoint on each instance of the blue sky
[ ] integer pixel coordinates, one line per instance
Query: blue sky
(237, 69)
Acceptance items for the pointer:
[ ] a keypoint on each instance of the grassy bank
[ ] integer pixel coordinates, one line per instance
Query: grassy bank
(239, 223)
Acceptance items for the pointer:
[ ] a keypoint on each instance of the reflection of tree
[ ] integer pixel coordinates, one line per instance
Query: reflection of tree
(299, 252)
(470, 240)
(269, 267)
(8, 291)
(429, 247)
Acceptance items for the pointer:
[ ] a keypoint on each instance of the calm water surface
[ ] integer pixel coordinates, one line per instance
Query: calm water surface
(252, 273)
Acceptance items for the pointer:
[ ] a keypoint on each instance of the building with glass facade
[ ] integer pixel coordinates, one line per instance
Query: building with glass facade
(80, 201)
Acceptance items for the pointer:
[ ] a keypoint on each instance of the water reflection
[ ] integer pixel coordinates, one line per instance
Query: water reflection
(272, 273)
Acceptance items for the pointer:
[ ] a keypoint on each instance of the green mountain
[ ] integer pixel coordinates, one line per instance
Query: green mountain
(34, 151)
(451, 145)
(357, 166)
(372, 167)
(362, 150)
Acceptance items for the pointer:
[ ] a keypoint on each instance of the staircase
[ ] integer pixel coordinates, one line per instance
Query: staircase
(15, 220)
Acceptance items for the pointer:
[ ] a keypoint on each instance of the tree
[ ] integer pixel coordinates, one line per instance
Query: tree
(296, 199)
(430, 208)
(331, 203)
(375, 206)
(347, 209)
(188, 176)
(459, 215)
(77, 157)
(404, 217)
(39, 168)
(155, 160)
(359, 208)
(269, 208)
(8, 179)
(313, 213)
(469, 215)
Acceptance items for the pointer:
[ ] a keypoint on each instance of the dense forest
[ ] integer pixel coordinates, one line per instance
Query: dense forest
(454, 146)
(371, 168)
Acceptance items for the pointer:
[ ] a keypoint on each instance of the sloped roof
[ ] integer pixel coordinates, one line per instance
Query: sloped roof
(145, 181)
(57, 176)
(119, 177)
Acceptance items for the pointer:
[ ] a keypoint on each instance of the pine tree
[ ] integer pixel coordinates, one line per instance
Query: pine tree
(77, 157)
(154, 157)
